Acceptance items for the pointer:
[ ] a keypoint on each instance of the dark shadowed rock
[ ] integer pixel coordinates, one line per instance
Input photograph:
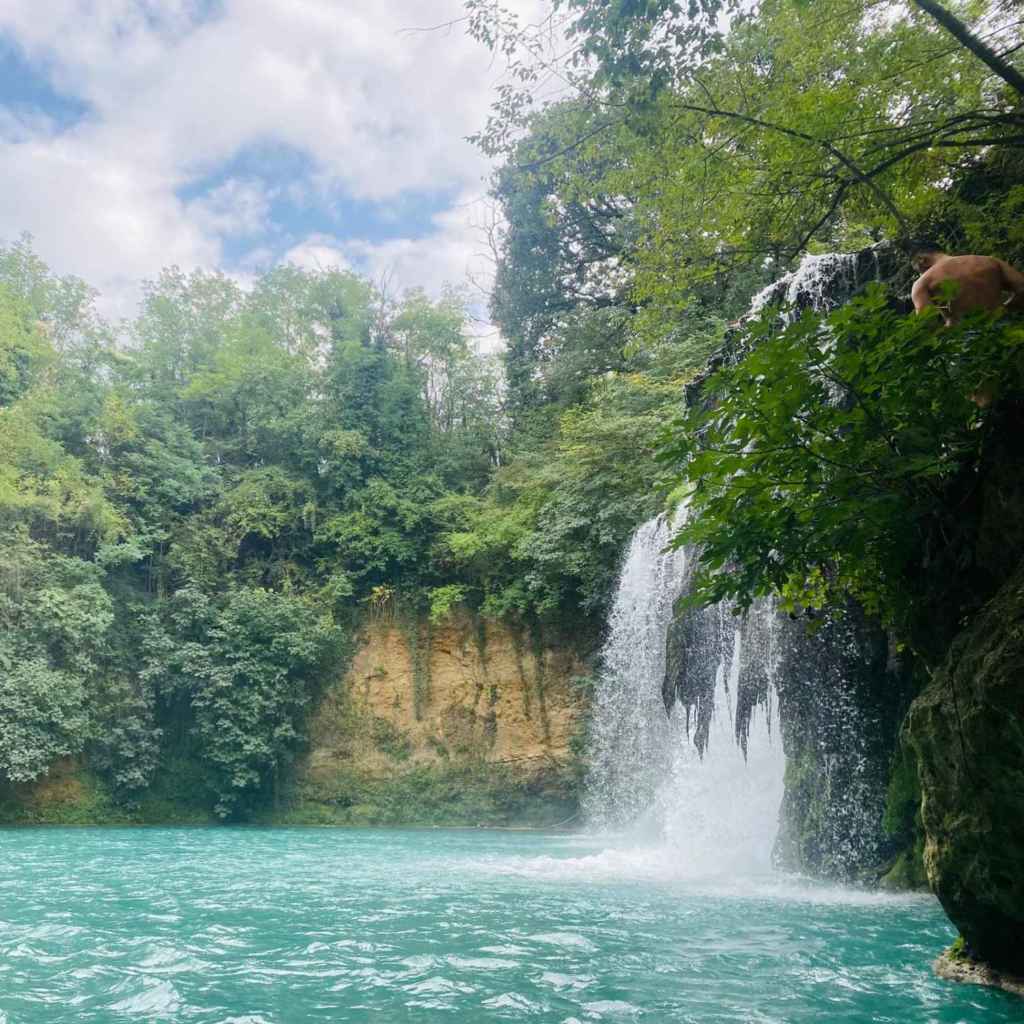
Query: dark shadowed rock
(967, 729)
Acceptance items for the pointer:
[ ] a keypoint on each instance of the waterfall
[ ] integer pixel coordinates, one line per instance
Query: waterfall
(705, 778)
(630, 734)
(820, 282)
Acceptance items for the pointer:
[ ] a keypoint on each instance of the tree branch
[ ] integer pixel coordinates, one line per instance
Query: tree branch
(963, 35)
(574, 145)
(830, 148)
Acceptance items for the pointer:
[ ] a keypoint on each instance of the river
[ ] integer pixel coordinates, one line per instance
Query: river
(294, 926)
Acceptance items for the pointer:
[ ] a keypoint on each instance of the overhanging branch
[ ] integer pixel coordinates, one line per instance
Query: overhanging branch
(963, 35)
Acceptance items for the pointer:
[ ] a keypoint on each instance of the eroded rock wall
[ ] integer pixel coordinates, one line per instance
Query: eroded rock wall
(469, 710)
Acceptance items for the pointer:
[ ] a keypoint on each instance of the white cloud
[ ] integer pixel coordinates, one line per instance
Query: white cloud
(98, 216)
(378, 110)
(233, 209)
(454, 253)
(318, 252)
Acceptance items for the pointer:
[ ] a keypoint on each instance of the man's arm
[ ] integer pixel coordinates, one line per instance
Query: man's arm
(921, 294)
(1013, 282)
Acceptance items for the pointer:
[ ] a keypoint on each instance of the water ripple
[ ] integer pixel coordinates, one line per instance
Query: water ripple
(246, 926)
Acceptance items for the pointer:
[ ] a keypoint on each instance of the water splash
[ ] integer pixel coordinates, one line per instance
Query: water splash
(631, 737)
(820, 282)
(720, 807)
(703, 782)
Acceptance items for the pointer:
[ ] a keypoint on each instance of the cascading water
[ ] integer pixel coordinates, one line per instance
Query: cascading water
(720, 806)
(631, 737)
(820, 282)
(705, 780)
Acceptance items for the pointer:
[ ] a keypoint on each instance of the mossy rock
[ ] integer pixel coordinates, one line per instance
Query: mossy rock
(445, 795)
(67, 795)
(907, 872)
(902, 822)
(967, 730)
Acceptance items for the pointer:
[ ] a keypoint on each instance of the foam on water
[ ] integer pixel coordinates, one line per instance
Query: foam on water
(683, 805)
(660, 865)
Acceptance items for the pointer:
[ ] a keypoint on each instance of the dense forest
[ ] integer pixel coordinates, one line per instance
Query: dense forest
(704, 149)
(198, 506)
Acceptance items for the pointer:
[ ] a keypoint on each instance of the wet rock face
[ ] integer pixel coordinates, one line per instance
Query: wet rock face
(842, 697)
(830, 279)
(967, 729)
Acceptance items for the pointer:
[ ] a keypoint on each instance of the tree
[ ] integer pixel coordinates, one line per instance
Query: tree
(831, 123)
(252, 681)
(963, 35)
(55, 620)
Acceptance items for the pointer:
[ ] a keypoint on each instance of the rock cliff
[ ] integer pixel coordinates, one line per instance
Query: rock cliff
(470, 721)
(967, 730)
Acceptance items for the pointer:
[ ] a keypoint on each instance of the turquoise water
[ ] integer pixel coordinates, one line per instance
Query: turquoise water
(250, 926)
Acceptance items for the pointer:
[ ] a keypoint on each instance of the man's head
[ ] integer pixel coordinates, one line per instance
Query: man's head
(925, 254)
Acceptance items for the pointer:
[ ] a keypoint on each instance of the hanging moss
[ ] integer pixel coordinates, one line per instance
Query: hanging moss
(418, 635)
(902, 821)
(903, 796)
(540, 675)
(445, 794)
(391, 740)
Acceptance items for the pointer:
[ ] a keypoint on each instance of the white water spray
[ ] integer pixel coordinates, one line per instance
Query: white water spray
(631, 736)
(820, 283)
(700, 788)
(685, 788)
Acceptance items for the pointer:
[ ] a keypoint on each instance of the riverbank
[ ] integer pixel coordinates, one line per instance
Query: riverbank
(461, 795)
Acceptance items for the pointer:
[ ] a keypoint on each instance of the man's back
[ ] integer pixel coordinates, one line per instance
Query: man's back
(975, 282)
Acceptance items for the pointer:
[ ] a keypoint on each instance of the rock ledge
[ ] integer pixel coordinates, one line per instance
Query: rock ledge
(972, 972)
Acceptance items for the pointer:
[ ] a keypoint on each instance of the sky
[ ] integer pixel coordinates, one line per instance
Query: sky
(240, 134)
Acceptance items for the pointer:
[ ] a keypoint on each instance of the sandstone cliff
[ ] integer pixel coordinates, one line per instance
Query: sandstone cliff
(475, 714)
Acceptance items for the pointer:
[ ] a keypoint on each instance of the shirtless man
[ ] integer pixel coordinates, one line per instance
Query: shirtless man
(975, 282)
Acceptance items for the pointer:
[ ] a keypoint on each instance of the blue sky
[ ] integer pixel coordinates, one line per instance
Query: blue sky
(244, 133)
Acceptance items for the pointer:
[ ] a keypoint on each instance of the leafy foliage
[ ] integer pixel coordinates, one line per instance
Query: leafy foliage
(221, 494)
(548, 535)
(251, 674)
(823, 460)
(55, 617)
(691, 153)
(42, 717)
(190, 523)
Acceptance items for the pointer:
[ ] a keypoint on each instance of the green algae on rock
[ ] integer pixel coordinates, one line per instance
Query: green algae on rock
(967, 730)
(954, 965)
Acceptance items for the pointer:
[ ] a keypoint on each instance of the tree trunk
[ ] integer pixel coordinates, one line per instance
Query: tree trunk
(963, 35)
